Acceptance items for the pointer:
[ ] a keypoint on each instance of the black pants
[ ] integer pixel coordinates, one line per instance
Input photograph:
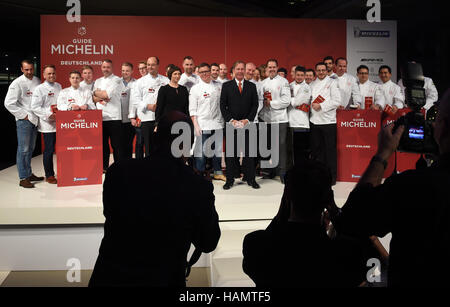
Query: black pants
(232, 157)
(324, 146)
(147, 134)
(300, 144)
(127, 140)
(112, 131)
(282, 139)
(139, 147)
(47, 159)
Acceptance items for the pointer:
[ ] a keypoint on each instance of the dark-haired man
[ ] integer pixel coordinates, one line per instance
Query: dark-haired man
(371, 95)
(329, 62)
(188, 78)
(393, 96)
(325, 100)
(18, 103)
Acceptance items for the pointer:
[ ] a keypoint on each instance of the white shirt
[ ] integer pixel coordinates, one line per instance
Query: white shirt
(112, 85)
(301, 94)
(222, 80)
(349, 89)
(281, 99)
(260, 93)
(393, 95)
(373, 90)
(188, 81)
(431, 92)
(127, 107)
(18, 98)
(84, 85)
(204, 103)
(45, 95)
(328, 89)
(79, 96)
(143, 93)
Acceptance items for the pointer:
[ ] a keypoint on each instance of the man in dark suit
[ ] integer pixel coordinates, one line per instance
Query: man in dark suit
(238, 104)
(152, 219)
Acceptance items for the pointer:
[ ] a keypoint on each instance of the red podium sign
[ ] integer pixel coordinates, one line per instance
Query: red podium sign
(79, 147)
(357, 132)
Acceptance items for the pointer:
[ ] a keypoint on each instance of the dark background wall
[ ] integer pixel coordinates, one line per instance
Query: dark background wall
(422, 33)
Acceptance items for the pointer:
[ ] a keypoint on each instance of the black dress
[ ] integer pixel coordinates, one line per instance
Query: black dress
(171, 99)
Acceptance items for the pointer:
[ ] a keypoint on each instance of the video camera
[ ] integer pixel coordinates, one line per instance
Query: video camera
(418, 135)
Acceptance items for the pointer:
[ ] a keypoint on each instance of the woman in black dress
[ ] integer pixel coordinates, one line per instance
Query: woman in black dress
(172, 97)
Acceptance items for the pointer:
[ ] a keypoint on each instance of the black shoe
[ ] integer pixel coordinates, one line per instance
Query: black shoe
(244, 179)
(33, 177)
(268, 176)
(253, 184)
(228, 185)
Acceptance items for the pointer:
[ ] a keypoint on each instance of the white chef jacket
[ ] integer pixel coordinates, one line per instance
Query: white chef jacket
(45, 95)
(145, 92)
(328, 89)
(281, 99)
(301, 94)
(222, 80)
(80, 96)
(349, 89)
(204, 102)
(190, 81)
(373, 90)
(112, 85)
(84, 85)
(127, 107)
(260, 93)
(393, 95)
(18, 98)
(431, 92)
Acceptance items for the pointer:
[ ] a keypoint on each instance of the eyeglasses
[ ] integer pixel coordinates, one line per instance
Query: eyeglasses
(204, 72)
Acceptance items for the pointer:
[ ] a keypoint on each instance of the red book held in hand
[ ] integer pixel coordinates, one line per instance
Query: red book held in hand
(138, 121)
(368, 101)
(319, 99)
(388, 109)
(268, 95)
(304, 107)
(54, 108)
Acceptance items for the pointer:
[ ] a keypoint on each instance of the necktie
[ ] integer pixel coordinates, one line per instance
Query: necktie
(240, 87)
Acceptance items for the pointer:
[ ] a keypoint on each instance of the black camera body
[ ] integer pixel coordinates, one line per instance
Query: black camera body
(418, 135)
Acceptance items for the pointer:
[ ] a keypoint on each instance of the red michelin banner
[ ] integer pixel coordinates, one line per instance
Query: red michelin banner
(132, 39)
(357, 133)
(79, 147)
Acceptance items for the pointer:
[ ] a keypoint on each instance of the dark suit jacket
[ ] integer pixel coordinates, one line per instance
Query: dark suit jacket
(237, 106)
(154, 209)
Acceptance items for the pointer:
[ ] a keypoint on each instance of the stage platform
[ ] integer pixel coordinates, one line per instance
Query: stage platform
(42, 228)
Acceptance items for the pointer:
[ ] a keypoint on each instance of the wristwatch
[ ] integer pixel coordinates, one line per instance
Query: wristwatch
(379, 160)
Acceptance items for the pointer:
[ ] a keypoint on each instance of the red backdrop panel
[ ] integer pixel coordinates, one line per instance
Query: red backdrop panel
(207, 39)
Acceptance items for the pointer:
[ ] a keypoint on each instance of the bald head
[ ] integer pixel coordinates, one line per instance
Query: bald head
(223, 71)
(442, 124)
(249, 70)
(153, 66)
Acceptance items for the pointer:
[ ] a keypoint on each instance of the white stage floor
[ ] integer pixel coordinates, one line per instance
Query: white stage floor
(48, 204)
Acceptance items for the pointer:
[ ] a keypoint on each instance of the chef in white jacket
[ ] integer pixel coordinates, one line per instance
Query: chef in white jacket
(393, 96)
(204, 108)
(188, 78)
(298, 113)
(276, 101)
(43, 104)
(350, 94)
(18, 103)
(431, 92)
(326, 98)
(87, 73)
(107, 91)
(128, 130)
(75, 97)
(371, 93)
(143, 99)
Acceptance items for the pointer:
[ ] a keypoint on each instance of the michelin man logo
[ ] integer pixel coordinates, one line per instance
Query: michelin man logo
(82, 31)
